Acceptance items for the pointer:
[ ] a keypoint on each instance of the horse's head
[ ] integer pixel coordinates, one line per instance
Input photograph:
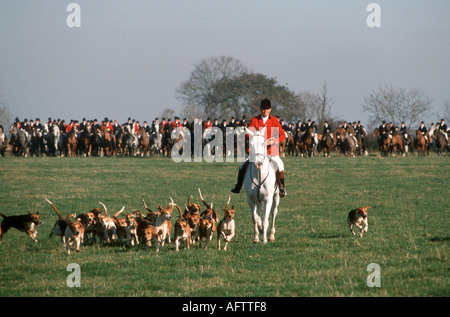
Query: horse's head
(257, 145)
(418, 134)
(341, 134)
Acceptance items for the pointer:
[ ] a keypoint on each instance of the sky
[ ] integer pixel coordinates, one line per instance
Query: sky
(128, 58)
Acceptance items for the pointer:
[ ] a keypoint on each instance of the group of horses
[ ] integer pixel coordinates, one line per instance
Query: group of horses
(342, 141)
(102, 142)
(391, 144)
(99, 142)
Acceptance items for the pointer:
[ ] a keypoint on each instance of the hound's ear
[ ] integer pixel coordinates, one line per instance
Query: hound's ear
(160, 208)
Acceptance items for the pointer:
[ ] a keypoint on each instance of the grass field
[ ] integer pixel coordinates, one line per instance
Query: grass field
(314, 253)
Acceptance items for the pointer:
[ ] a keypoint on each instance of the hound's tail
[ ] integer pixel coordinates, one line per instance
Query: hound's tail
(179, 209)
(55, 209)
(2, 215)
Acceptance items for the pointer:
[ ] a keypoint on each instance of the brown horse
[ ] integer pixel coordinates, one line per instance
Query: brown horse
(282, 147)
(441, 142)
(361, 142)
(72, 143)
(108, 142)
(118, 147)
(83, 143)
(328, 142)
(305, 144)
(144, 142)
(346, 142)
(384, 142)
(397, 144)
(421, 143)
(289, 144)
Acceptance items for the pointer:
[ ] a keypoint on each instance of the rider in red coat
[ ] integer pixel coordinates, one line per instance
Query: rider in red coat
(274, 134)
(271, 124)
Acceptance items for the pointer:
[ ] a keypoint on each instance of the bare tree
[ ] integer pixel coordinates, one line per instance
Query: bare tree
(397, 105)
(191, 112)
(317, 106)
(168, 113)
(446, 110)
(309, 101)
(323, 111)
(5, 117)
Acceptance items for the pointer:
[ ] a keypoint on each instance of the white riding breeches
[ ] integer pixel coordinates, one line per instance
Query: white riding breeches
(277, 163)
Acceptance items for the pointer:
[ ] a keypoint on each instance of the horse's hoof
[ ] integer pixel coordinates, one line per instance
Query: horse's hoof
(256, 240)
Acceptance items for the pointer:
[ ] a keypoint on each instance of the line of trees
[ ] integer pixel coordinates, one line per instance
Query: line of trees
(221, 87)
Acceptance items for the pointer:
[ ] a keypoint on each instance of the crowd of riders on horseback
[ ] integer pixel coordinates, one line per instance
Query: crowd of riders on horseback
(108, 137)
(423, 140)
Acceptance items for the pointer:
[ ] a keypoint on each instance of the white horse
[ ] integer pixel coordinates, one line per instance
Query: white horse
(260, 186)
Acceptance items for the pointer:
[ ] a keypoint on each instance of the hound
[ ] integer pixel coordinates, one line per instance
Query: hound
(207, 222)
(161, 219)
(182, 231)
(146, 231)
(192, 214)
(106, 227)
(358, 217)
(126, 227)
(226, 227)
(74, 234)
(24, 223)
(70, 231)
(163, 224)
(88, 221)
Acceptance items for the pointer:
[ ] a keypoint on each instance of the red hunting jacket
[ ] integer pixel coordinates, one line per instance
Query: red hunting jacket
(272, 126)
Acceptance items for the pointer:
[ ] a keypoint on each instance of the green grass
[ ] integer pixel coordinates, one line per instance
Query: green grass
(314, 253)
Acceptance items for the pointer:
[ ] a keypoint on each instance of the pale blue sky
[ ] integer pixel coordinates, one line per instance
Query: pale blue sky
(129, 57)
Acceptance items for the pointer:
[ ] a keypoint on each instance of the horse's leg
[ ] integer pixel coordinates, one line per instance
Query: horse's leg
(256, 219)
(265, 224)
(274, 215)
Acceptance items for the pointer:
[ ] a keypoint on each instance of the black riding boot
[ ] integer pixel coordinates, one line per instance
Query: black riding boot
(240, 180)
(281, 183)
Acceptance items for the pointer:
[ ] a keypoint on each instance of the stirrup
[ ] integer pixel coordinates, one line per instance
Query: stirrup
(282, 191)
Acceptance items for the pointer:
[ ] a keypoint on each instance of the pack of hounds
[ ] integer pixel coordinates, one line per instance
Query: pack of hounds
(136, 228)
(153, 228)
